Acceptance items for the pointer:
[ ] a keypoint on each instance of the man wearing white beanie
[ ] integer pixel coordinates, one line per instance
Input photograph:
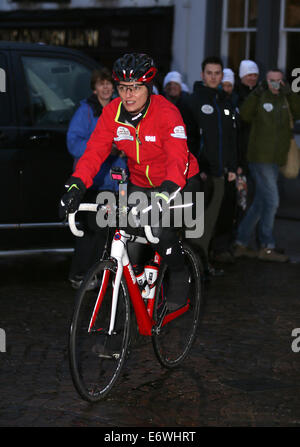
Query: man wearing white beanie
(175, 90)
(172, 76)
(248, 73)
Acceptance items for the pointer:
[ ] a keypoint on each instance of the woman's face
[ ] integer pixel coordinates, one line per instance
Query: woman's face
(133, 95)
(227, 87)
(103, 90)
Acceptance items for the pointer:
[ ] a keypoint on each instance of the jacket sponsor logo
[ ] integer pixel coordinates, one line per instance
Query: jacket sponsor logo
(268, 106)
(207, 109)
(123, 134)
(179, 132)
(150, 138)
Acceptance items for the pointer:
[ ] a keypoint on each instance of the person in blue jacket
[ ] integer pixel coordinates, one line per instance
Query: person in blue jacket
(89, 248)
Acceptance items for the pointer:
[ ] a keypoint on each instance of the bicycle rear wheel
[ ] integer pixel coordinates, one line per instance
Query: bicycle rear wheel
(96, 358)
(175, 338)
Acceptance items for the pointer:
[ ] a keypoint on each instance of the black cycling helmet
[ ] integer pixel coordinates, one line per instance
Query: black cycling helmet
(134, 67)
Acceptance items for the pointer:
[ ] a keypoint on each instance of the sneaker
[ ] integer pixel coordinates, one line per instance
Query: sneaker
(77, 281)
(177, 291)
(240, 251)
(211, 272)
(269, 254)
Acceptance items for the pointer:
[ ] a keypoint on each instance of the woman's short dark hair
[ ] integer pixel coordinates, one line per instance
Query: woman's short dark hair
(103, 74)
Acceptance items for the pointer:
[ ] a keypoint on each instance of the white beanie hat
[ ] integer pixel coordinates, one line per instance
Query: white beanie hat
(185, 88)
(228, 76)
(248, 67)
(173, 76)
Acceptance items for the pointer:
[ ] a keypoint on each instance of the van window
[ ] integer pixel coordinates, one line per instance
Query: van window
(56, 87)
(5, 112)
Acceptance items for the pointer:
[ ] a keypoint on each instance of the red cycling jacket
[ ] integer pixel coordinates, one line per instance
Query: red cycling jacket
(156, 149)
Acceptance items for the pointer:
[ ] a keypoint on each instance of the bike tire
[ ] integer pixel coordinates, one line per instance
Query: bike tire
(95, 357)
(174, 340)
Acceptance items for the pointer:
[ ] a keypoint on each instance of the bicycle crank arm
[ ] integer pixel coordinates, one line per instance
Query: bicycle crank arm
(156, 329)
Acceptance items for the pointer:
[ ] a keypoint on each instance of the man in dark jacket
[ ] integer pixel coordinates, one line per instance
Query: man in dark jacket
(211, 138)
(248, 80)
(175, 90)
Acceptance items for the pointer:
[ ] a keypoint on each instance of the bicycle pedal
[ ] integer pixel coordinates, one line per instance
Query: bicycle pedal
(114, 356)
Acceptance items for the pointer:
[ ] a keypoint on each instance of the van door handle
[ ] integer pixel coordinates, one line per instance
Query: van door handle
(39, 137)
(2, 135)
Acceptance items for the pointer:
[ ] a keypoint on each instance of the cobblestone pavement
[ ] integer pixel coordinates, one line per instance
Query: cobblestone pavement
(242, 370)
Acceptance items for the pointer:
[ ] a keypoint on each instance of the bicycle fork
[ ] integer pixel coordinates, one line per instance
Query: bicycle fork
(119, 255)
(114, 303)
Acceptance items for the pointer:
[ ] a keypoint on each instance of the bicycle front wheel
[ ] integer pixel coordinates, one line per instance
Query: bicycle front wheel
(96, 357)
(174, 339)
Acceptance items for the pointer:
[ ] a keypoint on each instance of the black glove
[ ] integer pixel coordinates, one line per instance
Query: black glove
(162, 198)
(262, 87)
(159, 206)
(70, 201)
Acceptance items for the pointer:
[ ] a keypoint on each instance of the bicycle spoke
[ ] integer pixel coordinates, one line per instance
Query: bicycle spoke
(96, 357)
(178, 329)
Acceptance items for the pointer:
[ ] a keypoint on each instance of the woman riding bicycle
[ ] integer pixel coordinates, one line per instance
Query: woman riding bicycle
(150, 131)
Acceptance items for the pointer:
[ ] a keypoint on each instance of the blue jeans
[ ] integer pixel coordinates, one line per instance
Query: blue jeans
(263, 208)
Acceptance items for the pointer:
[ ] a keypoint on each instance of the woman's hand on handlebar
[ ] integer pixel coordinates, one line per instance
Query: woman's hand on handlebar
(70, 201)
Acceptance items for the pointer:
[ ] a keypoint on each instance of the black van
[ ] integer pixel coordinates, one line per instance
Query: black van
(40, 88)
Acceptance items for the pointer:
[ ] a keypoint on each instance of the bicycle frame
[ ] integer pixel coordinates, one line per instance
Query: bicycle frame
(144, 315)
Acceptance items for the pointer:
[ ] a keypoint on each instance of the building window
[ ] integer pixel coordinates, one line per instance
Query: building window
(292, 14)
(239, 31)
(288, 57)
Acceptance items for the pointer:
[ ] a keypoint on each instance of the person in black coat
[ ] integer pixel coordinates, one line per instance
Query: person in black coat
(175, 90)
(211, 131)
(248, 79)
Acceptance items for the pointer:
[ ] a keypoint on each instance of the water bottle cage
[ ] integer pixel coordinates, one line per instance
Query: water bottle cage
(145, 283)
(152, 285)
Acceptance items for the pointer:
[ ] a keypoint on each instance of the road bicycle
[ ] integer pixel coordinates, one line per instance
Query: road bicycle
(100, 331)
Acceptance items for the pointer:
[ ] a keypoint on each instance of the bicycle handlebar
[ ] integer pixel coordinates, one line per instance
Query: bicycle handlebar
(71, 217)
(94, 207)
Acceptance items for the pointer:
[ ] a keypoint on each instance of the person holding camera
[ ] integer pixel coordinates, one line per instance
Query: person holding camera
(269, 109)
